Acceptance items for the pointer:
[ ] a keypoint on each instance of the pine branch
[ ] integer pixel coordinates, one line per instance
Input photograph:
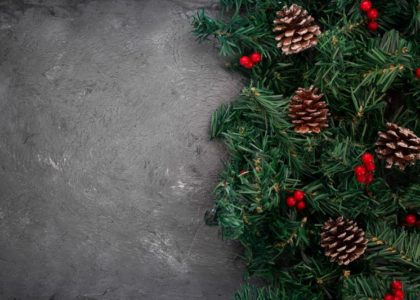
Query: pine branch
(360, 287)
(221, 119)
(367, 80)
(393, 249)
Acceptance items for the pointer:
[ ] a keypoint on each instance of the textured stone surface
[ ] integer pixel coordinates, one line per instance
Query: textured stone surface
(106, 167)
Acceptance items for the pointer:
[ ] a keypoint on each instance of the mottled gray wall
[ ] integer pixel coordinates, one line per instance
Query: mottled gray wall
(106, 167)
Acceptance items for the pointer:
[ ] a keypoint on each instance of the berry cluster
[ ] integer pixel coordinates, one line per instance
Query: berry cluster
(364, 173)
(297, 200)
(248, 62)
(371, 13)
(397, 291)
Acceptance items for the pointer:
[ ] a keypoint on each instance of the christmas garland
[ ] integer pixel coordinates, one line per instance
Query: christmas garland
(322, 187)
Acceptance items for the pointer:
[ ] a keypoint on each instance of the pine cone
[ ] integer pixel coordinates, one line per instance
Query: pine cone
(307, 112)
(297, 30)
(343, 240)
(398, 146)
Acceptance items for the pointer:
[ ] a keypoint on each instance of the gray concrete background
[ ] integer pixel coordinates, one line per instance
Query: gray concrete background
(106, 167)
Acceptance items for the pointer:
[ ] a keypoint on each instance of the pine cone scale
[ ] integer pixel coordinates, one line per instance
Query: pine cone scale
(341, 249)
(391, 145)
(287, 41)
(351, 250)
(289, 33)
(297, 39)
(308, 36)
(349, 238)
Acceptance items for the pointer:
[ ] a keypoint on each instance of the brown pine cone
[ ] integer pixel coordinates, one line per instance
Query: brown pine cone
(343, 241)
(398, 146)
(307, 112)
(297, 30)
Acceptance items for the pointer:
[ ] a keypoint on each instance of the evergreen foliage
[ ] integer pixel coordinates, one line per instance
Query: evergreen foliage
(367, 80)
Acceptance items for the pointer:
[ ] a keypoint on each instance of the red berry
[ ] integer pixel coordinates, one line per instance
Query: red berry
(367, 158)
(369, 178)
(418, 73)
(396, 285)
(301, 205)
(255, 57)
(360, 170)
(248, 66)
(399, 294)
(370, 166)
(299, 195)
(246, 62)
(361, 178)
(389, 297)
(410, 219)
(373, 26)
(290, 201)
(372, 14)
(366, 5)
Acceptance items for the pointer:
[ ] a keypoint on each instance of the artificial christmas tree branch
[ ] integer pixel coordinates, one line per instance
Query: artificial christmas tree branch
(294, 151)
